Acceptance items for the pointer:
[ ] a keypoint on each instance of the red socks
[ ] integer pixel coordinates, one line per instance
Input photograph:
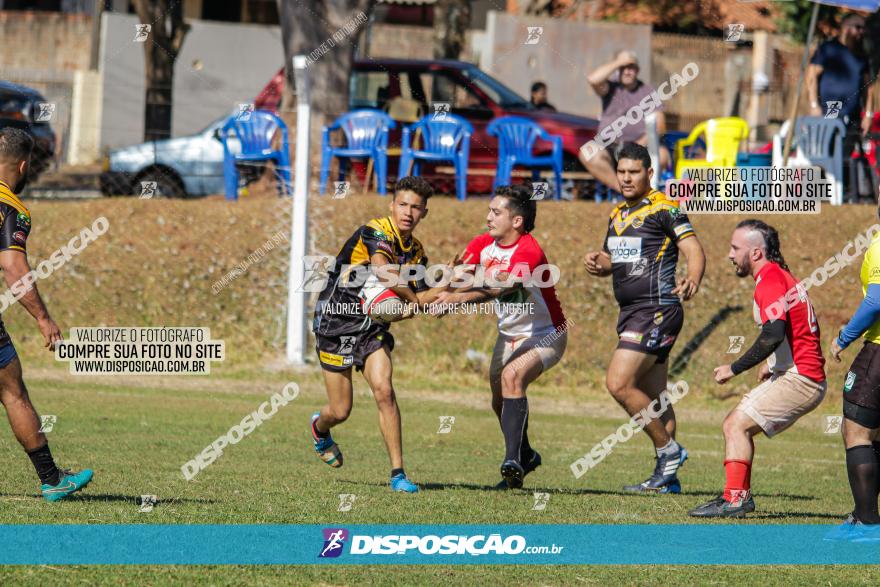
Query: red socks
(739, 480)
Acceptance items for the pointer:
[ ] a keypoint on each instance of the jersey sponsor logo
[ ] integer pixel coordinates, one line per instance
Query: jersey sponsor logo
(23, 221)
(667, 340)
(638, 222)
(658, 318)
(624, 249)
(19, 236)
(850, 381)
(683, 228)
(335, 360)
(631, 336)
(346, 344)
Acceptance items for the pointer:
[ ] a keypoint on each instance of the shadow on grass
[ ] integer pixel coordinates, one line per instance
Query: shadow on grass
(569, 491)
(776, 515)
(85, 497)
(681, 361)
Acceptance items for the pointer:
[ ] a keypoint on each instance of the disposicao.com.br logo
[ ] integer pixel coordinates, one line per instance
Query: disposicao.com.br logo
(477, 545)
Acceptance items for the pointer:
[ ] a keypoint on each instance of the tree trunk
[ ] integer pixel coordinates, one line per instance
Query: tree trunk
(451, 21)
(162, 44)
(326, 33)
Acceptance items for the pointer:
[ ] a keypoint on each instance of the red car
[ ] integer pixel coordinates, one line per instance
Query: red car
(408, 89)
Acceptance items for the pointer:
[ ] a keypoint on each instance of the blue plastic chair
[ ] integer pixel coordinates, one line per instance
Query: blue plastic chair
(443, 139)
(516, 140)
(255, 131)
(366, 137)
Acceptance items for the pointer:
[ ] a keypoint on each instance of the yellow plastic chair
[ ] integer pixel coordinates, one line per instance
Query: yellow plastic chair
(723, 137)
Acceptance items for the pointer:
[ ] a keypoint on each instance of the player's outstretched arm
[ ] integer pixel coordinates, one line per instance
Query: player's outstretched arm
(865, 316)
(696, 267)
(19, 278)
(772, 335)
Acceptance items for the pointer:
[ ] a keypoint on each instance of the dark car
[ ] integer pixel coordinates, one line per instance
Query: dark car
(26, 108)
(409, 88)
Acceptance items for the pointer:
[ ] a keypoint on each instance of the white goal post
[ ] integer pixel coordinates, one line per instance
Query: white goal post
(296, 297)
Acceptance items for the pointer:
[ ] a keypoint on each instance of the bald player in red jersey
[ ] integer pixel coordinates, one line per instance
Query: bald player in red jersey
(793, 378)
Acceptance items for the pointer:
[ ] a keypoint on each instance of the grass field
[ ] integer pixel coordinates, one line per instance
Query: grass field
(136, 432)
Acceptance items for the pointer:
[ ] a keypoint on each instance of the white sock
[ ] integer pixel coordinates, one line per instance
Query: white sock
(670, 449)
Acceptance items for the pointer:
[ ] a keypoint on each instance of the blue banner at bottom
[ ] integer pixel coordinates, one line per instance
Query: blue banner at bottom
(724, 544)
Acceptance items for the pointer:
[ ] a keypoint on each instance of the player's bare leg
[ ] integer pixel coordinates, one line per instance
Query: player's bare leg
(339, 400)
(25, 423)
(336, 411)
(739, 450)
(654, 383)
(626, 373)
(600, 167)
(377, 371)
(23, 418)
(634, 379)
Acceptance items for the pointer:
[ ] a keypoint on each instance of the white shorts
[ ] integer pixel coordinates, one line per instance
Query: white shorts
(780, 401)
(509, 349)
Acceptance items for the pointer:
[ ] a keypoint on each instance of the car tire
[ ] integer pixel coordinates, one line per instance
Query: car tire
(167, 184)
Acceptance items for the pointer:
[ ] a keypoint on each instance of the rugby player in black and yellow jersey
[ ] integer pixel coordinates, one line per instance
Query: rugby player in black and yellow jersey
(15, 225)
(645, 234)
(346, 337)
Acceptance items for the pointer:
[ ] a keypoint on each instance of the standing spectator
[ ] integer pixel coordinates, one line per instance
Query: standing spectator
(618, 96)
(539, 97)
(839, 72)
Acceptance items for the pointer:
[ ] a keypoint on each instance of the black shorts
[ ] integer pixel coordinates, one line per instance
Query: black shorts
(341, 353)
(650, 329)
(862, 384)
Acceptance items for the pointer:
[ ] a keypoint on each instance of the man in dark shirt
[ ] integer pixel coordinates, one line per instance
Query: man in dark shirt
(539, 97)
(645, 234)
(838, 79)
(15, 226)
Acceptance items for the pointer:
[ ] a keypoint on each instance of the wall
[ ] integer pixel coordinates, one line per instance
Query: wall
(564, 54)
(220, 66)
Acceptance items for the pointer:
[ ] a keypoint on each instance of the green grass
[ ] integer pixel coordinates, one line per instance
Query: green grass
(156, 266)
(137, 433)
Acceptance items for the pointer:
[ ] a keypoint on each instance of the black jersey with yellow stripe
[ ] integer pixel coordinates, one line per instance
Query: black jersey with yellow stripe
(15, 226)
(642, 240)
(338, 309)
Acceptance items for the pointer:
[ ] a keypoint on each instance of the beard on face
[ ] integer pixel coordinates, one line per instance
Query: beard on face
(742, 270)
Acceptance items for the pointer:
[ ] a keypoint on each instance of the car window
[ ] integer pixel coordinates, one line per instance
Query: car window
(369, 89)
(497, 92)
(441, 88)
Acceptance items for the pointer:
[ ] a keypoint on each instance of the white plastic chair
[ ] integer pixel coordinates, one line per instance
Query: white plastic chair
(819, 142)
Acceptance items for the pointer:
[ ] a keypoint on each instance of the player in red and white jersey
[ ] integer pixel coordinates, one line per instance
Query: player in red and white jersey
(793, 377)
(532, 330)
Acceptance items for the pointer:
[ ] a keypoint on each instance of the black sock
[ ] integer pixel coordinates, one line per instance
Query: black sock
(317, 432)
(514, 413)
(396, 472)
(45, 465)
(861, 467)
(526, 452)
(876, 446)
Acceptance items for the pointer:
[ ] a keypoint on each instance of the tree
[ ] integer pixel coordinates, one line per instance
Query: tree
(326, 32)
(163, 42)
(451, 21)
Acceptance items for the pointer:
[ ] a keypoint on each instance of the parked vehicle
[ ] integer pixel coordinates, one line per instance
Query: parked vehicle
(183, 166)
(408, 89)
(25, 108)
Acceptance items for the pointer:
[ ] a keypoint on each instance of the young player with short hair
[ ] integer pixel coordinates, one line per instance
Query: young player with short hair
(346, 337)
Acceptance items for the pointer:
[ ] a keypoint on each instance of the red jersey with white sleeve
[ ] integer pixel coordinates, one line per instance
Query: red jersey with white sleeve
(530, 310)
(801, 351)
